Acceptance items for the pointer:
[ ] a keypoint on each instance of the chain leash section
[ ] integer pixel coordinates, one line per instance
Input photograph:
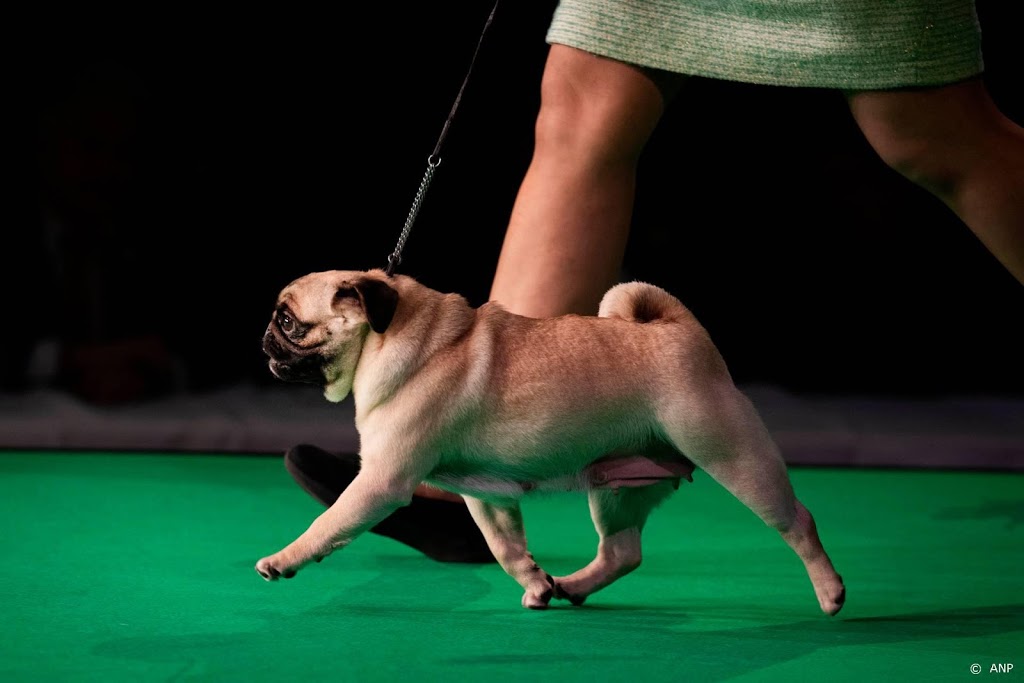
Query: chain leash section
(434, 160)
(395, 258)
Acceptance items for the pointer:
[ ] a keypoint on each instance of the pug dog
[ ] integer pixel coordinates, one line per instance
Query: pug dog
(494, 406)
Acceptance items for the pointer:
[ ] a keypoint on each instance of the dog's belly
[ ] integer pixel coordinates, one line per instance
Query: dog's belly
(487, 487)
(654, 465)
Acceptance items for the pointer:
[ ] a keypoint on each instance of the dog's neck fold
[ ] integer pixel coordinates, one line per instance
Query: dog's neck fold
(390, 359)
(341, 375)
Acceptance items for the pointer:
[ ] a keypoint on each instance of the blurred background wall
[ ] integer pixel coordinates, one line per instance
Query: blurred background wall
(173, 168)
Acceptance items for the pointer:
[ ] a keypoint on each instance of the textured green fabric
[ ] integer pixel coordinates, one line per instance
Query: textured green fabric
(138, 568)
(848, 44)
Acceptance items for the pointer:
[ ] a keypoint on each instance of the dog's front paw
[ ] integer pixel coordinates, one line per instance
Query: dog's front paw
(539, 593)
(272, 568)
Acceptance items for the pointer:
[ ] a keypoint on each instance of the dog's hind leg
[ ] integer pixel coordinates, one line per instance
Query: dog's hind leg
(619, 516)
(502, 527)
(726, 438)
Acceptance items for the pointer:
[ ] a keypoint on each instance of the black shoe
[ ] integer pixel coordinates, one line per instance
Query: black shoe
(443, 530)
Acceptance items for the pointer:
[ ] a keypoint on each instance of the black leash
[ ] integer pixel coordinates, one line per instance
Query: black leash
(434, 160)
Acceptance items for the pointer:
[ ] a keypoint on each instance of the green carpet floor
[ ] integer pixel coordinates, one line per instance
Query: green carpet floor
(139, 567)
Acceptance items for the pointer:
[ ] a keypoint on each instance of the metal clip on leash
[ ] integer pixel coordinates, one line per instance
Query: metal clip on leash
(395, 258)
(434, 160)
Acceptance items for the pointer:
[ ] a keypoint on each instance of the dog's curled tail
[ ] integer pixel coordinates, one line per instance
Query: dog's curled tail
(643, 303)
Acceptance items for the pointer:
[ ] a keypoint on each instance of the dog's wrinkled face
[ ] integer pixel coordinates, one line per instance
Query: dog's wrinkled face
(319, 325)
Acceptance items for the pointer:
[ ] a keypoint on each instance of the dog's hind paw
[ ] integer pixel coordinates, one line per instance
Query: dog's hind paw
(562, 594)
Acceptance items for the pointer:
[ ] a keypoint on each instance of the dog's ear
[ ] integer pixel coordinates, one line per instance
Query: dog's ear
(378, 298)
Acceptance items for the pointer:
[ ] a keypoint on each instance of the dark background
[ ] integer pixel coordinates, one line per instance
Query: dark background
(232, 152)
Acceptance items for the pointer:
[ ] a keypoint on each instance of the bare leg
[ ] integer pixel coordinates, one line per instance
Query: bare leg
(567, 234)
(502, 526)
(619, 517)
(955, 143)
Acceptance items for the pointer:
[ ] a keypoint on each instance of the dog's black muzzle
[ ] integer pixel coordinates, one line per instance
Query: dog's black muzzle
(289, 362)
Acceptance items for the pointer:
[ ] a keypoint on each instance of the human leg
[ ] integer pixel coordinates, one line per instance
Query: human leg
(567, 232)
(954, 142)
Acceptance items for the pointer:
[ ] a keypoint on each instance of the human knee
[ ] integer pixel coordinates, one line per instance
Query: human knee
(576, 127)
(933, 137)
(594, 108)
(924, 160)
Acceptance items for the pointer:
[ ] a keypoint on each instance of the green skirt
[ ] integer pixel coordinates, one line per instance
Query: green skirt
(846, 44)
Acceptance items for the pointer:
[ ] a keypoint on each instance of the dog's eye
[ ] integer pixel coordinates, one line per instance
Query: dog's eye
(286, 322)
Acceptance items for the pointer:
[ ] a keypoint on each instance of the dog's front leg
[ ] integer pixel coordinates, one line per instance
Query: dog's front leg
(370, 498)
(502, 527)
